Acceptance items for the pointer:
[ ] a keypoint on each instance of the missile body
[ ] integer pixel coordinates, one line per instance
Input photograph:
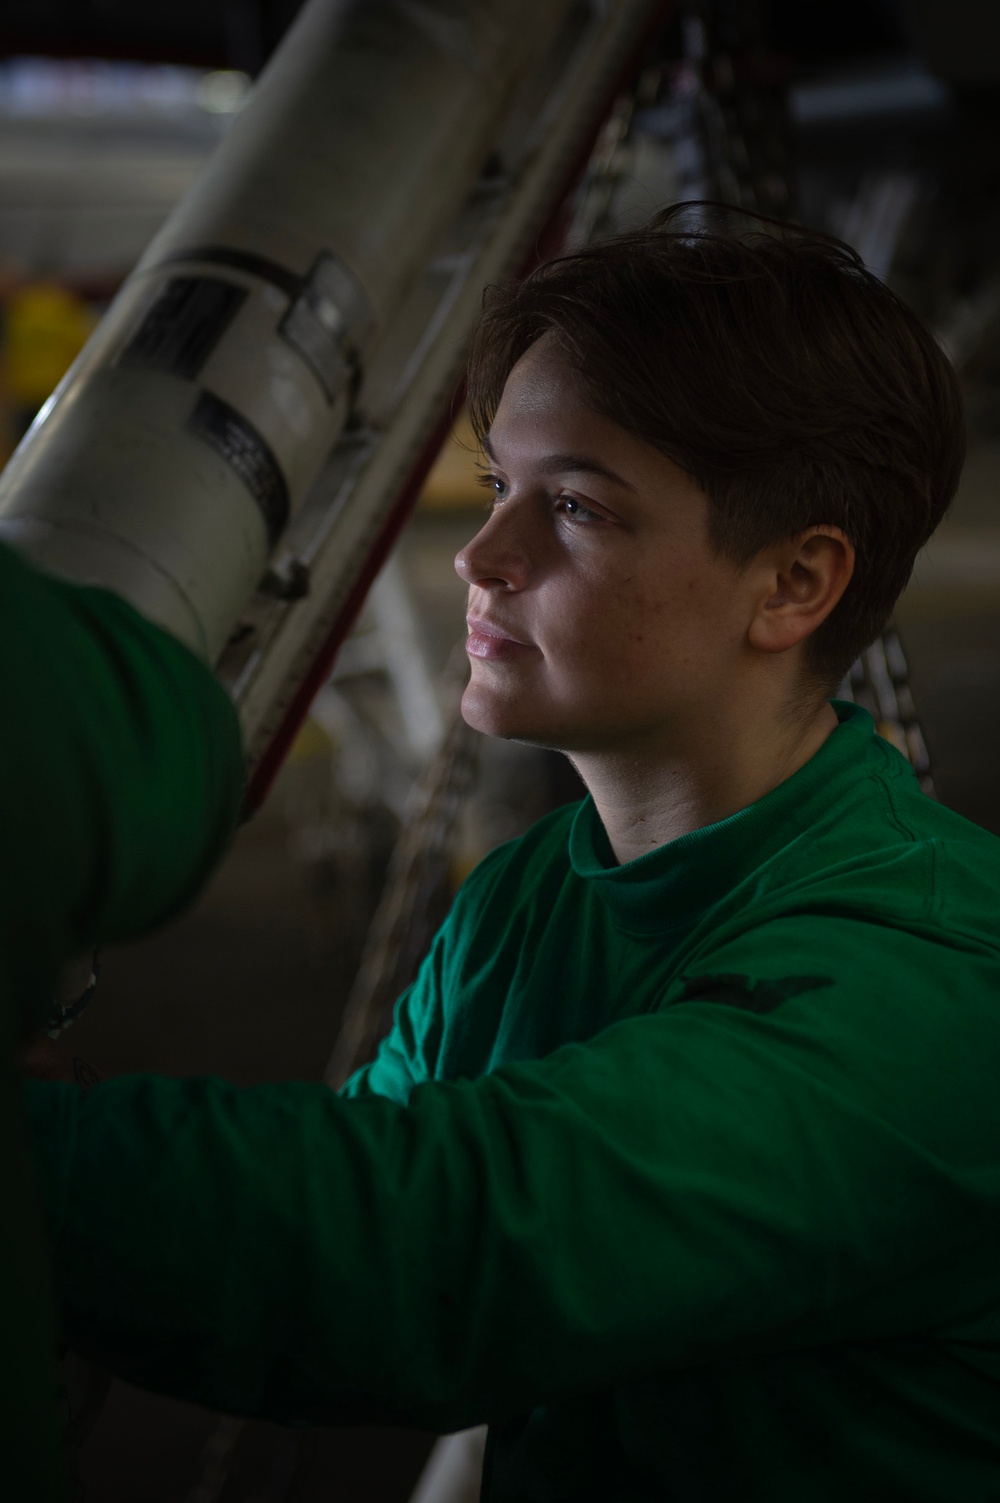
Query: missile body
(171, 458)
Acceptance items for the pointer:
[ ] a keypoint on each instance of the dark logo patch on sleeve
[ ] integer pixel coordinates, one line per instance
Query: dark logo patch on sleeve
(762, 996)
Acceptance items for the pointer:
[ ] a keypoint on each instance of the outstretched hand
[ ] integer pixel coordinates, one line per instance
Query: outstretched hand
(43, 1058)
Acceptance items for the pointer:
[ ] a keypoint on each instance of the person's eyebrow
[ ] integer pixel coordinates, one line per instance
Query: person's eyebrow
(561, 464)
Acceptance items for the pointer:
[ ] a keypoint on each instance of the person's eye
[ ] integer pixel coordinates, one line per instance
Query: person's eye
(576, 510)
(492, 483)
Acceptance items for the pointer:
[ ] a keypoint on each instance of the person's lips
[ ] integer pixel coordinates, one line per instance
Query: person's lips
(483, 628)
(487, 639)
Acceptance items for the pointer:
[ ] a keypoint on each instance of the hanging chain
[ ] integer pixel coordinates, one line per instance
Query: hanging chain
(417, 889)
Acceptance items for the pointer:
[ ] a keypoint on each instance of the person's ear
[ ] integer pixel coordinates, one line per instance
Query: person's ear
(805, 578)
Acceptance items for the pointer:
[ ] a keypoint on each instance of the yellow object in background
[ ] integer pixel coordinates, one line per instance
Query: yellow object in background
(452, 479)
(45, 328)
(311, 741)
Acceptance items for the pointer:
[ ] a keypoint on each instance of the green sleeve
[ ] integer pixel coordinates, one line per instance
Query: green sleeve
(408, 1055)
(121, 768)
(120, 771)
(697, 1183)
(411, 1053)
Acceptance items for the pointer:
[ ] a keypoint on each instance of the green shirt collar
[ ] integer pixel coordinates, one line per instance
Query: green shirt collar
(671, 886)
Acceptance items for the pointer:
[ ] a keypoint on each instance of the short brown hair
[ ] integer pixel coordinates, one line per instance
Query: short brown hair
(767, 362)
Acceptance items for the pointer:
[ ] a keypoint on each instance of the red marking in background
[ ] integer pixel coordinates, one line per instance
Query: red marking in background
(547, 246)
(278, 747)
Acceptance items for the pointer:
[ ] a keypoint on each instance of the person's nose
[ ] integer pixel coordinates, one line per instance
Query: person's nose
(498, 555)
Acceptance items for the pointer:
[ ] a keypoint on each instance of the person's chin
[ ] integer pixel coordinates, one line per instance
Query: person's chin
(493, 715)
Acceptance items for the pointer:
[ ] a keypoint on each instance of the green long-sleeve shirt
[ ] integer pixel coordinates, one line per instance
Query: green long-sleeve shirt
(120, 774)
(684, 1174)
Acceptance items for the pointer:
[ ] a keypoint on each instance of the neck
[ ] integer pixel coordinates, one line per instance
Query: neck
(647, 795)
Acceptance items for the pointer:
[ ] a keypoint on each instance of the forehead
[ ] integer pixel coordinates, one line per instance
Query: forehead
(542, 382)
(543, 412)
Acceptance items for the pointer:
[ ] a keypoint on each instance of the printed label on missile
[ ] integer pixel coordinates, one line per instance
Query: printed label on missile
(242, 447)
(183, 325)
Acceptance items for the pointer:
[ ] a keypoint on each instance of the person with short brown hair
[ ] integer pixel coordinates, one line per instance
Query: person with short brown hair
(768, 363)
(680, 1166)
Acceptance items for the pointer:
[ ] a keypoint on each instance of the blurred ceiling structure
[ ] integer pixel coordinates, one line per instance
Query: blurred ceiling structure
(200, 33)
(958, 40)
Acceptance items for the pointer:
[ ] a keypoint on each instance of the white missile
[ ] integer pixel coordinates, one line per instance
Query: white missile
(253, 399)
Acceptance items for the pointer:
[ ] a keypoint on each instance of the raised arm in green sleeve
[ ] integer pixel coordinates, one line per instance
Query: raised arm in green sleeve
(120, 780)
(687, 1186)
(120, 771)
(411, 1053)
(408, 1056)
